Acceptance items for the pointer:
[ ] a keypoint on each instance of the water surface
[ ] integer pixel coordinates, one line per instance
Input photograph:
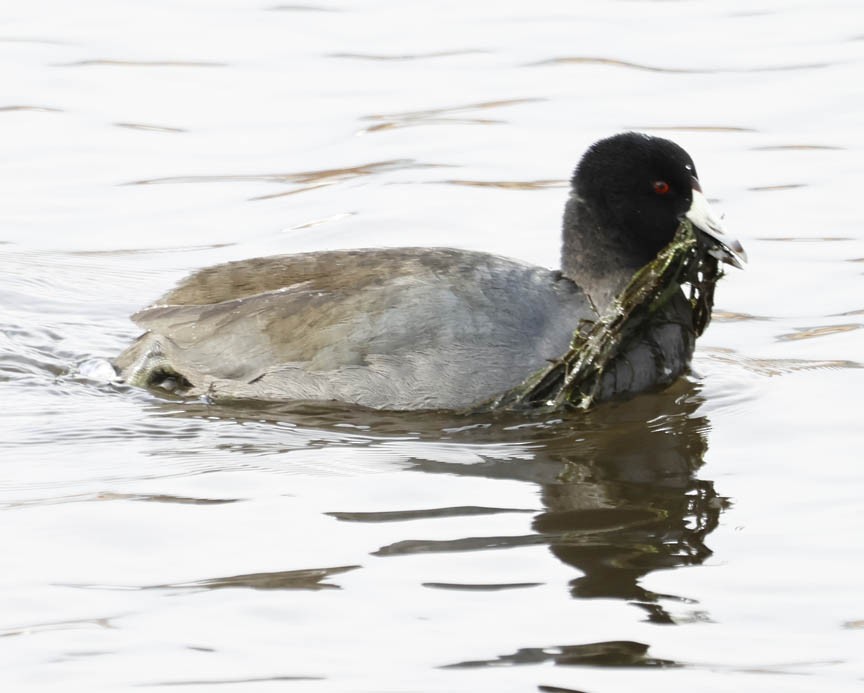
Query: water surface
(707, 537)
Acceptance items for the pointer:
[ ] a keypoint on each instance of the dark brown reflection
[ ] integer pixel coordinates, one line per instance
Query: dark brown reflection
(614, 653)
(304, 579)
(620, 494)
(309, 579)
(403, 515)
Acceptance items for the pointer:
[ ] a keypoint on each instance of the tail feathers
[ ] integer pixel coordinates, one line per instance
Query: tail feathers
(145, 364)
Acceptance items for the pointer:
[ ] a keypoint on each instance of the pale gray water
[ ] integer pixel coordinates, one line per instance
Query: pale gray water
(706, 538)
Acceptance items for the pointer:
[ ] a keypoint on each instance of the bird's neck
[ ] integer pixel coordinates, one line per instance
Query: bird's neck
(595, 254)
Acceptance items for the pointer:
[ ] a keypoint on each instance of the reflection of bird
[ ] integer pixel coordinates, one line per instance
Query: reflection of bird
(620, 493)
(636, 506)
(414, 328)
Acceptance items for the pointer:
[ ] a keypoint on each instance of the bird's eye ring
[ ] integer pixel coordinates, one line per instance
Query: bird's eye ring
(661, 187)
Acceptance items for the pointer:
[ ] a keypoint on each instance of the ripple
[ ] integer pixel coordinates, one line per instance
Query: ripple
(480, 587)
(112, 496)
(307, 579)
(584, 60)
(39, 41)
(303, 8)
(858, 311)
(806, 239)
(304, 579)
(403, 515)
(151, 251)
(781, 186)
(37, 109)
(48, 282)
(108, 62)
(775, 367)
(306, 180)
(731, 316)
(414, 122)
(614, 62)
(295, 191)
(541, 184)
(71, 624)
(693, 128)
(406, 56)
(149, 128)
(797, 147)
(409, 547)
(216, 682)
(813, 332)
(322, 220)
(35, 360)
(433, 116)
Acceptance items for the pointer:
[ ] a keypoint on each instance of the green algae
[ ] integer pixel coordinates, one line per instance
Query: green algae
(574, 379)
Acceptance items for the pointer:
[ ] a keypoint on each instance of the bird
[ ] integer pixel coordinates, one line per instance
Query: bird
(420, 328)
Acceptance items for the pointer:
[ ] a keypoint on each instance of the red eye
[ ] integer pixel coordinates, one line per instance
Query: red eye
(661, 187)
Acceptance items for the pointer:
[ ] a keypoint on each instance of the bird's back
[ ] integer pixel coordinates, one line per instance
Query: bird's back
(402, 328)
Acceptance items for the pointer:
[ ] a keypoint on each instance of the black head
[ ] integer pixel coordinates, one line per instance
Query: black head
(637, 186)
(630, 193)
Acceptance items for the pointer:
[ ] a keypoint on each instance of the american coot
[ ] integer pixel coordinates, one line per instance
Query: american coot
(434, 328)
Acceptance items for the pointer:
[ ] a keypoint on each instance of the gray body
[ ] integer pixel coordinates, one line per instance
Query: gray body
(403, 328)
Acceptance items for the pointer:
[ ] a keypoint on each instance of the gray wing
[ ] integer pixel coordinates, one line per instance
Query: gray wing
(404, 328)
